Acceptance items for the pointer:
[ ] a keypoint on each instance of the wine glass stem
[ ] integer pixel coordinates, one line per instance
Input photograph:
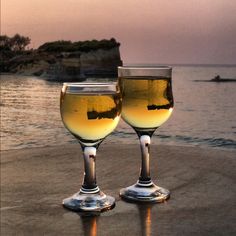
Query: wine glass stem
(89, 183)
(144, 178)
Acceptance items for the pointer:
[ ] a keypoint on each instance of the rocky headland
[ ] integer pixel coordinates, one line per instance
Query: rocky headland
(65, 61)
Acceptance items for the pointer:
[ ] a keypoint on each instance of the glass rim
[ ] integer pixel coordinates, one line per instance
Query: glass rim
(144, 67)
(86, 88)
(146, 71)
(89, 84)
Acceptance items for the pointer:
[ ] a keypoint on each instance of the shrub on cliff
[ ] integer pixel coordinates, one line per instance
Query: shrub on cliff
(11, 47)
(82, 46)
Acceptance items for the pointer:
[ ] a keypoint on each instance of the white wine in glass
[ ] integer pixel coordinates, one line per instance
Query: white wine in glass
(90, 111)
(147, 102)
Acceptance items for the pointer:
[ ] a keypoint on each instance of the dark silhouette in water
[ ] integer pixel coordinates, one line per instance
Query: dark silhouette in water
(217, 79)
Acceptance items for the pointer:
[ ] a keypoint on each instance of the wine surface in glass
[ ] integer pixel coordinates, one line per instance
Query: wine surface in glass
(90, 116)
(147, 101)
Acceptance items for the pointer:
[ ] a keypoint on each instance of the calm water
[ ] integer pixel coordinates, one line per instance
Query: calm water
(204, 113)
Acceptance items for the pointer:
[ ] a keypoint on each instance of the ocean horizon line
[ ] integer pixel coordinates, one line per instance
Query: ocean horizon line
(180, 64)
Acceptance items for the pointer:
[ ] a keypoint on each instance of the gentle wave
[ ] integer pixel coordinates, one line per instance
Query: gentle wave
(182, 139)
(212, 142)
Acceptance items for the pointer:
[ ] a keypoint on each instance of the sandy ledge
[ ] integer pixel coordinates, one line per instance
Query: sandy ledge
(202, 184)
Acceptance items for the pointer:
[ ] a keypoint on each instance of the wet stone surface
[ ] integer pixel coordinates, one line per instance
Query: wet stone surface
(202, 183)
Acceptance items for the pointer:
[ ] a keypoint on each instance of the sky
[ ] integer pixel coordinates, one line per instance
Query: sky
(150, 31)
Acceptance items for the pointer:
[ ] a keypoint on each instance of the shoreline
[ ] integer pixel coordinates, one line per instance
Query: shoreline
(109, 143)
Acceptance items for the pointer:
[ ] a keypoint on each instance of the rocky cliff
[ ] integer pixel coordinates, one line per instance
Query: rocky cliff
(97, 63)
(66, 66)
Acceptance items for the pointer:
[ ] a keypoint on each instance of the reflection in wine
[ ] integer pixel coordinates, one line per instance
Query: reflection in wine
(90, 116)
(147, 101)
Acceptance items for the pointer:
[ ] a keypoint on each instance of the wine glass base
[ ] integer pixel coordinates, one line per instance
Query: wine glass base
(140, 193)
(89, 202)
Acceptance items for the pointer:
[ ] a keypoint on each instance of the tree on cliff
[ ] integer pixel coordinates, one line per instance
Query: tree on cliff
(82, 46)
(16, 43)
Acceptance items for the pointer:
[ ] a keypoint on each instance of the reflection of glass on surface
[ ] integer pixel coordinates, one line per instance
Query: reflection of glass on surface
(146, 219)
(90, 225)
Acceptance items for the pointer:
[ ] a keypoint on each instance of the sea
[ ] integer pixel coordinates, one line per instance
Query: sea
(204, 112)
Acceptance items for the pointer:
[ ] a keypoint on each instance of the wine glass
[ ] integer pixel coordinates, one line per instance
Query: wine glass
(90, 111)
(147, 102)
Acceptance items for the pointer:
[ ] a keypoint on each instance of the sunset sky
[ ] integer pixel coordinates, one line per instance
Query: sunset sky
(150, 31)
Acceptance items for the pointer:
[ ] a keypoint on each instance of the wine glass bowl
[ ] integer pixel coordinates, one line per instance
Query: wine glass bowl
(90, 111)
(147, 103)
